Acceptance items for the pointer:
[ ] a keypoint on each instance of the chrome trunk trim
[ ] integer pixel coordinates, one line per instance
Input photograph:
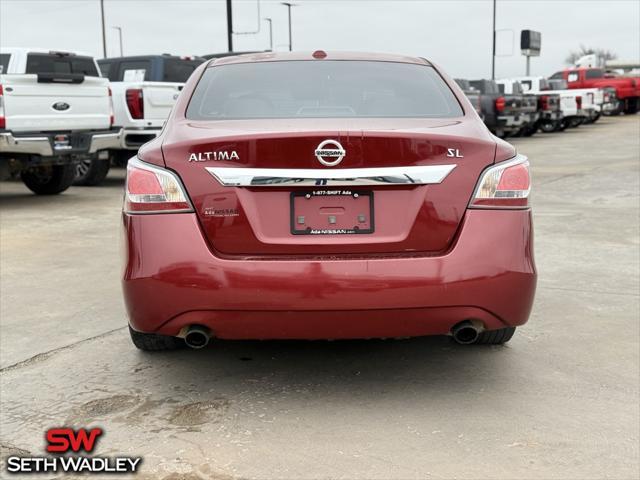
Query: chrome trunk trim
(354, 177)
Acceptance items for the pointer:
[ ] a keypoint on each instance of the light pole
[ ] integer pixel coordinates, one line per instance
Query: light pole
(104, 33)
(289, 5)
(270, 33)
(229, 26)
(493, 49)
(120, 35)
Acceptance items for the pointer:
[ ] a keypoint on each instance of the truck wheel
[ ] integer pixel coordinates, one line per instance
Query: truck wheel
(529, 130)
(596, 117)
(495, 337)
(618, 110)
(49, 179)
(91, 171)
(151, 342)
(631, 106)
(548, 127)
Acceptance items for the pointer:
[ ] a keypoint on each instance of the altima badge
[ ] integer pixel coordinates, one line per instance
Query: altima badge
(216, 156)
(330, 149)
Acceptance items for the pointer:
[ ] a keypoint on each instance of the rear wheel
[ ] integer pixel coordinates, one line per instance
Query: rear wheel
(596, 117)
(91, 171)
(49, 179)
(631, 106)
(495, 337)
(548, 127)
(154, 342)
(529, 130)
(618, 110)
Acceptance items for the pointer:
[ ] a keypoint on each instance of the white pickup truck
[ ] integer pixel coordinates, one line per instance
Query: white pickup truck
(590, 102)
(575, 109)
(55, 110)
(145, 89)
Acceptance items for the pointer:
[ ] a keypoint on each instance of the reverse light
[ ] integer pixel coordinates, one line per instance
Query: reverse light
(151, 189)
(504, 185)
(135, 103)
(500, 104)
(3, 121)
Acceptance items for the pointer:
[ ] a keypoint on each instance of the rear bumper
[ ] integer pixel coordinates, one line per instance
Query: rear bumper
(172, 280)
(550, 116)
(41, 143)
(134, 138)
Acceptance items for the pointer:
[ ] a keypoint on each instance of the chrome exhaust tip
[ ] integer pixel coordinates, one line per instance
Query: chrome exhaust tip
(197, 337)
(467, 332)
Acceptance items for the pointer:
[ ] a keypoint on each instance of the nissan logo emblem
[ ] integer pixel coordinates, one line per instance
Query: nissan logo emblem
(330, 153)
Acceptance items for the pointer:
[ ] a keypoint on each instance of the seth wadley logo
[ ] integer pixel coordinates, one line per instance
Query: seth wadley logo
(66, 440)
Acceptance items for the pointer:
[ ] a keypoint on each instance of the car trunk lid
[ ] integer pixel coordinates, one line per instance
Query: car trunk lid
(263, 220)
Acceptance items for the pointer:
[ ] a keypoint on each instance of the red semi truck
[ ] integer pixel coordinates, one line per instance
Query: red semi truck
(627, 89)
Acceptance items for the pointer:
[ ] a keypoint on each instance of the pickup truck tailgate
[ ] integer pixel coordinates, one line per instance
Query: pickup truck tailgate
(33, 106)
(159, 98)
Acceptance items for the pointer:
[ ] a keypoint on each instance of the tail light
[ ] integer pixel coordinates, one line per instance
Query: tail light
(3, 121)
(111, 114)
(544, 102)
(500, 103)
(578, 102)
(151, 189)
(135, 103)
(505, 185)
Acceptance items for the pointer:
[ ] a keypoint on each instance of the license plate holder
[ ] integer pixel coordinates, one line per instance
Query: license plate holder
(62, 141)
(332, 212)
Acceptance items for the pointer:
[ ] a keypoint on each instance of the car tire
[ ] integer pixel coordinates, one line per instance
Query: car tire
(91, 172)
(529, 130)
(596, 117)
(49, 179)
(152, 342)
(495, 337)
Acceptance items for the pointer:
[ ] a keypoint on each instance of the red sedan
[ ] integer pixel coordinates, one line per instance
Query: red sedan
(325, 196)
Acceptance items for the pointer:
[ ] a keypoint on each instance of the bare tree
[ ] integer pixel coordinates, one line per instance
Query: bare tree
(602, 54)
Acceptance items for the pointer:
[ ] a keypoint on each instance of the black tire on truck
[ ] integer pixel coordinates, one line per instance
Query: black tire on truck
(49, 179)
(631, 106)
(91, 171)
(548, 127)
(153, 342)
(618, 110)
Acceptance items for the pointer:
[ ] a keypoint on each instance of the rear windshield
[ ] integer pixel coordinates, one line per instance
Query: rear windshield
(321, 89)
(4, 62)
(50, 63)
(178, 70)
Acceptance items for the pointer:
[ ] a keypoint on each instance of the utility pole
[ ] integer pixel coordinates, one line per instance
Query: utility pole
(289, 5)
(104, 33)
(493, 49)
(229, 26)
(120, 35)
(270, 33)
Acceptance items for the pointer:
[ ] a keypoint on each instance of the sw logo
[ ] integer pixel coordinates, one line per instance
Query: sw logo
(65, 440)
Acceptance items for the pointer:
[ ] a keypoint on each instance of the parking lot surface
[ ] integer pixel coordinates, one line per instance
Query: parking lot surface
(559, 401)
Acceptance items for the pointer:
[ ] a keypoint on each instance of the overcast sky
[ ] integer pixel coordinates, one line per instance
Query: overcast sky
(454, 33)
